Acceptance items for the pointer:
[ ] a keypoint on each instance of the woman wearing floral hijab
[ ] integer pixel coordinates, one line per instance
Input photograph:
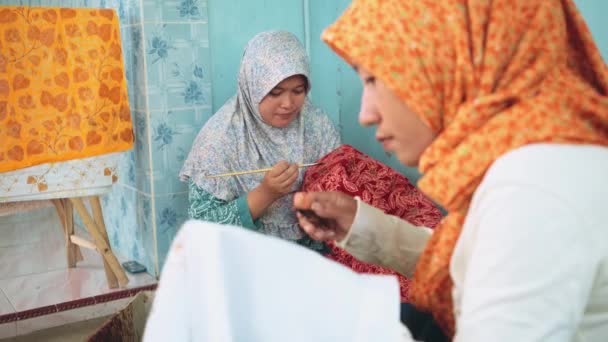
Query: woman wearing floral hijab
(503, 106)
(269, 123)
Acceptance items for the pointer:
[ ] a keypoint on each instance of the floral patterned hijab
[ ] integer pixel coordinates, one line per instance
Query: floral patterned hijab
(487, 77)
(236, 138)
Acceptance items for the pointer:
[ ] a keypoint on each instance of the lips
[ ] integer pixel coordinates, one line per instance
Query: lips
(285, 116)
(385, 141)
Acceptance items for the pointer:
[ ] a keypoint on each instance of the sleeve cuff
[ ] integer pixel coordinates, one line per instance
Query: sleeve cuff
(245, 213)
(363, 218)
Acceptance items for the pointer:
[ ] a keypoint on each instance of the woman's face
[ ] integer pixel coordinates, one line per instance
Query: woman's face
(283, 103)
(399, 129)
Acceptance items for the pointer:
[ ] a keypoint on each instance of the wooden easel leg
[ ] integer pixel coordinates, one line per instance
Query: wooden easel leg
(98, 217)
(63, 217)
(69, 212)
(100, 242)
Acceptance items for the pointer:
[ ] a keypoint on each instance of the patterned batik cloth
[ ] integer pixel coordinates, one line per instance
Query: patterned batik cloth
(63, 94)
(352, 172)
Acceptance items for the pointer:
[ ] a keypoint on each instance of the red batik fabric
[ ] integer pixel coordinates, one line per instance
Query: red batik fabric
(350, 171)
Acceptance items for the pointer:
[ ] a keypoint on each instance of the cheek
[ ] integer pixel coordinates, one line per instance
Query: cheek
(299, 99)
(399, 120)
(267, 107)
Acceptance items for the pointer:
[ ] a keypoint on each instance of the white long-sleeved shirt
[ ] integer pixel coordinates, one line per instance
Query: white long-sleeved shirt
(531, 263)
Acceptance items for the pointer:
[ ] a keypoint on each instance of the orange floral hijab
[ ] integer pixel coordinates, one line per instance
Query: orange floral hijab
(487, 77)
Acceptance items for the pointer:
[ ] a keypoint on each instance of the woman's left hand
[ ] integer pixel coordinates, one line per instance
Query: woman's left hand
(336, 210)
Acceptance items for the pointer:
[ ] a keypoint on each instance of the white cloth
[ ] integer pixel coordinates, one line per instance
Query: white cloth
(531, 263)
(223, 283)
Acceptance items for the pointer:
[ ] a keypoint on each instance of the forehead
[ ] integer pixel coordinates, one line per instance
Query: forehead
(292, 82)
(269, 59)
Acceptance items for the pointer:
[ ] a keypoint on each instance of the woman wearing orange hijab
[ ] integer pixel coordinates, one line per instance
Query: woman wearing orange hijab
(503, 106)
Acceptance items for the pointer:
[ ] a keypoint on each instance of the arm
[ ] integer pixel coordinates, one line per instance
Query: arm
(385, 240)
(526, 268)
(203, 206)
(258, 200)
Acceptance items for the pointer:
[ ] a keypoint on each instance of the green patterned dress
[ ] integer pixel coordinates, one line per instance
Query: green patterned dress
(203, 206)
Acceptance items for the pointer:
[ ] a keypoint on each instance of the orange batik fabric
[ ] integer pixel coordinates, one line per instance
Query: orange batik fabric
(487, 77)
(63, 92)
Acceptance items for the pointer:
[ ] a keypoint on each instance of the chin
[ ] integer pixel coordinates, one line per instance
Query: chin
(407, 160)
(281, 125)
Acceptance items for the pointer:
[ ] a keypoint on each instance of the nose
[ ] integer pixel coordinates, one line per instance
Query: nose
(368, 115)
(287, 101)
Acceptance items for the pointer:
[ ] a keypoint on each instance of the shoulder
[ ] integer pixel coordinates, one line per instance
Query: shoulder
(564, 167)
(573, 177)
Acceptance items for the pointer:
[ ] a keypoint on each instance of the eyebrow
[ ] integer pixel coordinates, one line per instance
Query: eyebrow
(281, 88)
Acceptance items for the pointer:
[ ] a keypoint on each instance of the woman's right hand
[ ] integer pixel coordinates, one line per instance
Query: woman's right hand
(280, 179)
(336, 210)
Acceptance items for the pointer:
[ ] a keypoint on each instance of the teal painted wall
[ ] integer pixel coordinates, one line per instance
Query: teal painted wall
(596, 13)
(336, 87)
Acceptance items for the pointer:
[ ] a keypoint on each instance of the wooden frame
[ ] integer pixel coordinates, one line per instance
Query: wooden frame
(95, 225)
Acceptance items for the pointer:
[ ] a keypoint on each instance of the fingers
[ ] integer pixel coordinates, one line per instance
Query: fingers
(304, 200)
(329, 205)
(291, 179)
(279, 168)
(286, 179)
(317, 233)
(286, 173)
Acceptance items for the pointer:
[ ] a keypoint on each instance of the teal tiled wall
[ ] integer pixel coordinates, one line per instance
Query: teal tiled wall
(166, 54)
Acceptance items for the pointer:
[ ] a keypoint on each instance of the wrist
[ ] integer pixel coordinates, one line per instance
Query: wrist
(265, 194)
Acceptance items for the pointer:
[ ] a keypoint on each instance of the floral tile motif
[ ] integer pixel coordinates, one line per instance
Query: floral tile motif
(178, 66)
(171, 214)
(173, 133)
(175, 10)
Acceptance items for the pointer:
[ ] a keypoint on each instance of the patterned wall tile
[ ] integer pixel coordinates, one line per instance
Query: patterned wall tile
(173, 133)
(142, 151)
(145, 233)
(126, 169)
(127, 217)
(175, 10)
(171, 213)
(177, 60)
(117, 208)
